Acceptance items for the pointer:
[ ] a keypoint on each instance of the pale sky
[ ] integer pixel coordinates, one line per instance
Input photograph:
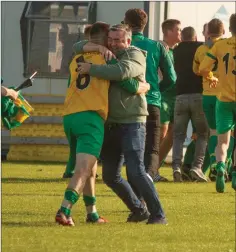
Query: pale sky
(196, 14)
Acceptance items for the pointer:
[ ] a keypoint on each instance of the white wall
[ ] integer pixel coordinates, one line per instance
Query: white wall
(113, 12)
(156, 17)
(198, 13)
(12, 55)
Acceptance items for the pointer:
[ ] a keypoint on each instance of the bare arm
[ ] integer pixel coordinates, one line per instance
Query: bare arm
(87, 46)
(9, 92)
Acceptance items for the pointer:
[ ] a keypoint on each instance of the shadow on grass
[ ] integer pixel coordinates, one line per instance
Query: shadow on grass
(32, 180)
(32, 194)
(46, 163)
(99, 181)
(20, 213)
(26, 224)
(39, 180)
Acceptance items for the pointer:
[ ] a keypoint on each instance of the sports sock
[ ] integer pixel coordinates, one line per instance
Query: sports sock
(162, 162)
(220, 179)
(89, 200)
(234, 178)
(206, 163)
(212, 143)
(70, 198)
(220, 165)
(90, 203)
(93, 216)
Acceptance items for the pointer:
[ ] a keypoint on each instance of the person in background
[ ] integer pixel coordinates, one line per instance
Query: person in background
(9, 93)
(190, 150)
(157, 58)
(188, 106)
(223, 53)
(205, 32)
(233, 166)
(171, 29)
(215, 33)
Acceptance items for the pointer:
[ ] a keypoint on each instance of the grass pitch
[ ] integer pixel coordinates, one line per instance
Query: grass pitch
(199, 218)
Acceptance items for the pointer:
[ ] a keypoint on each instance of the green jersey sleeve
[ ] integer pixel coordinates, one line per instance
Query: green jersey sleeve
(167, 69)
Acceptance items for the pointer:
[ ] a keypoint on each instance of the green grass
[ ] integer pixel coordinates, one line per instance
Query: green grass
(199, 218)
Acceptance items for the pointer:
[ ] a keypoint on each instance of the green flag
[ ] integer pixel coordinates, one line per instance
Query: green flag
(14, 113)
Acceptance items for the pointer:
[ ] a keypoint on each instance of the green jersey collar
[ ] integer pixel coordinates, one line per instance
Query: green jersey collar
(137, 34)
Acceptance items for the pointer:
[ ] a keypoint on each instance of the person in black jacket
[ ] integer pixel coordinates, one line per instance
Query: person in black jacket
(188, 106)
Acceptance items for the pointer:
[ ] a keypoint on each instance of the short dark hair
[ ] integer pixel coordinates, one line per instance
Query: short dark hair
(87, 30)
(169, 24)
(99, 28)
(215, 28)
(204, 27)
(122, 27)
(136, 18)
(232, 23)
(188, 33)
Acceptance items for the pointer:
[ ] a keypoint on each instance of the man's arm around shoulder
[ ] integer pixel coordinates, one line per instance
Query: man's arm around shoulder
(131, 64)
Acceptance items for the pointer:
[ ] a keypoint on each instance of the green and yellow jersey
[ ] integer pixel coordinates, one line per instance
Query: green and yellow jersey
(86, 93)
(223, 52)
(198, 58)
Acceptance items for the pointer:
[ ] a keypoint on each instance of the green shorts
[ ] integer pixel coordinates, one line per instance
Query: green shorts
(209, 108)
(85, 133)
(225, 116)
(167, 110)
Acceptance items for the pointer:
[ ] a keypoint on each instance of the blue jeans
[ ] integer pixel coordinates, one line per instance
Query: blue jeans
(127, 142)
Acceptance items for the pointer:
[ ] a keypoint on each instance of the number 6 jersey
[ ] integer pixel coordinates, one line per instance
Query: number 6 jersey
(86, 93)
(224, 52)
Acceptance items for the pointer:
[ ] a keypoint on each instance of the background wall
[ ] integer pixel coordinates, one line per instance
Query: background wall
(11, 47)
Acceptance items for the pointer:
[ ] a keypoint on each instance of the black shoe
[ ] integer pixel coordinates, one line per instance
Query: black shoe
(227, 179)
(212, 174)
(177, 177)
(138, 217)
(198, 175)
(157, 220)
(230, 177)
(66, 175)
(159, 178)
(185, 171)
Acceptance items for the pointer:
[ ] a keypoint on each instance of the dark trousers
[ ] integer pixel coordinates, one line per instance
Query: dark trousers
(189, 107)
(152, 147)
(127, 142)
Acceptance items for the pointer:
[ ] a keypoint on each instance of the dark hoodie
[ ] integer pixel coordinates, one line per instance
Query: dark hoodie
(187, 81)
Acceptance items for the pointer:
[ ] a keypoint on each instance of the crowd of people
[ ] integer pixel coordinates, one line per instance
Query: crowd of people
(130, 99)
